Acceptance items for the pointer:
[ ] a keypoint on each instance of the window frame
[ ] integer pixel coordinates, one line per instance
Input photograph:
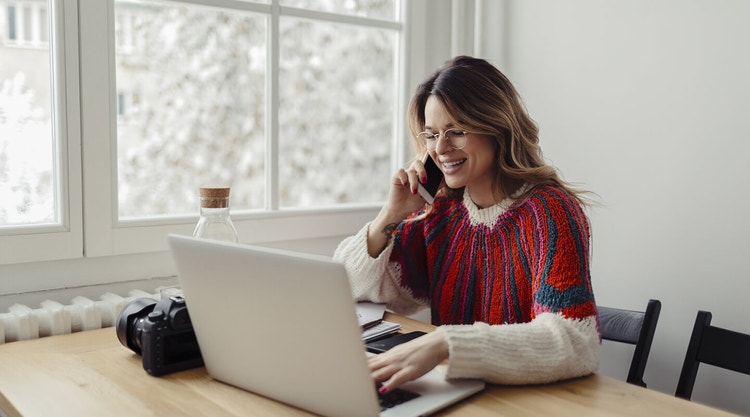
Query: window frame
(105, 233)
(64, 239)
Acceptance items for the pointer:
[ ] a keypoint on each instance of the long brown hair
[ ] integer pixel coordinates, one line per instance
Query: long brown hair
(481, 99)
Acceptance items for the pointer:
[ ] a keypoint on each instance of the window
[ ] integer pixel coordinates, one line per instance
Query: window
(26, 23)
(204, 116)
(27, 178)
(296, 109)
(201, 80)
(297, 106)
(40, 208)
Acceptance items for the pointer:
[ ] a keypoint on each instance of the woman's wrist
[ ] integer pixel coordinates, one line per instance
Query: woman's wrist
(381, 230)
(439, 345)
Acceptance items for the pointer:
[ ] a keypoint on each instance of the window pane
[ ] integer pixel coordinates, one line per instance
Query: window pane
(27, 177)
(191, 91)
(336, 113)
(28, 24)
(12, 25)
(376, 9)
(41, 20)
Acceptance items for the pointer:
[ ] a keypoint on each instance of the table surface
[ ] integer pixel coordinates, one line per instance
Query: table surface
(91, 374)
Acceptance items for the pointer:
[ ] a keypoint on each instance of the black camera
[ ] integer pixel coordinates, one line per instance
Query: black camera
(161, 332)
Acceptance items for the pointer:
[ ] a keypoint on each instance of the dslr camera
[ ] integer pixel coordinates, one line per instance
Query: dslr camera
(161, 333)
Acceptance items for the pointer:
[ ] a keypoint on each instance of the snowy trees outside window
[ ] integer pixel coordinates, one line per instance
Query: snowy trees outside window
(195, 111)
(194, 103)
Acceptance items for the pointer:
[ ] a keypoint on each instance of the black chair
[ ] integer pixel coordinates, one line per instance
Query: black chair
(713, 346)
(632, 327)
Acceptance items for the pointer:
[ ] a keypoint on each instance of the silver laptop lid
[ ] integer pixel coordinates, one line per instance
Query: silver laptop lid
(277, 323)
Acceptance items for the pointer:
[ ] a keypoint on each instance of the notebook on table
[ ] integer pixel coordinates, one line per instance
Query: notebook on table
(284, 325)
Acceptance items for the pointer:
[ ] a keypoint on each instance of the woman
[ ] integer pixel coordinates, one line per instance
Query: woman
(502, 254)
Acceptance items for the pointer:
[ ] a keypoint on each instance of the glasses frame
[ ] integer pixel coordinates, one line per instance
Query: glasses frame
(431, 144)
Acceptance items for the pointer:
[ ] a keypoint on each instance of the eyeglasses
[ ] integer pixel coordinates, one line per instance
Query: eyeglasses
(455, 138)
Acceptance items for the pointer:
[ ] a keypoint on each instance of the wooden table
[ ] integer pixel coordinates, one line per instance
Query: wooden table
(92, 374)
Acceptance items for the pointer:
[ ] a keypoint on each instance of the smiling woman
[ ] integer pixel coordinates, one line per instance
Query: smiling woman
(500, 257)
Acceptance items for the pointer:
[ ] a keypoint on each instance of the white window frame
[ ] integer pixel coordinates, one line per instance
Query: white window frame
(65, 239)
(105, 234)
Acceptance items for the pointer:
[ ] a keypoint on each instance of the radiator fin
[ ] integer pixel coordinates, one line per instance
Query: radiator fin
(22, 322)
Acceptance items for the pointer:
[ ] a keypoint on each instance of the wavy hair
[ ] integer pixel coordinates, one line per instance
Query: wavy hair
(480, 99)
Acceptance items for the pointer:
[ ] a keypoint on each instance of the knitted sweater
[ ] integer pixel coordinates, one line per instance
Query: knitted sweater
(508, 286)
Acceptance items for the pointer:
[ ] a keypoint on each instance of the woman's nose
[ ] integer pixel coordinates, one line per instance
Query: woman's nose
(443, 146)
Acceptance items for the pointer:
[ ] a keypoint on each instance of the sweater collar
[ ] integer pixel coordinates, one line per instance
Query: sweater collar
(488, 216)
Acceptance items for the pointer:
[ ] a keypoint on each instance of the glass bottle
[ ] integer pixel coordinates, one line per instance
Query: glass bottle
(214, 222)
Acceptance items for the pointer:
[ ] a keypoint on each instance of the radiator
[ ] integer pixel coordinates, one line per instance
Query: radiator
(22, 322)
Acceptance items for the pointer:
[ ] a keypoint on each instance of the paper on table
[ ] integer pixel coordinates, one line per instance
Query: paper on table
(369, 314)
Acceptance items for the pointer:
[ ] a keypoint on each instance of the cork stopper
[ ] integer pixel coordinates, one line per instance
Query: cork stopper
(214, 196)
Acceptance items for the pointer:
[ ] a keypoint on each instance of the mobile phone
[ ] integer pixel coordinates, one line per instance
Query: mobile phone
(382, 345)
(434, 178)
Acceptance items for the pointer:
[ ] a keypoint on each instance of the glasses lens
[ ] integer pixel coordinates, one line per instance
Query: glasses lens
(429, 139)
(456, 138)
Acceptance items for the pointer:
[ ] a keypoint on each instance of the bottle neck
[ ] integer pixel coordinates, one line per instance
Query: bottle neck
(214, 205)
(214, 211)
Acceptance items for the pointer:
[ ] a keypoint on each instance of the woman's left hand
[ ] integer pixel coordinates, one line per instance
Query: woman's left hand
(408, 361)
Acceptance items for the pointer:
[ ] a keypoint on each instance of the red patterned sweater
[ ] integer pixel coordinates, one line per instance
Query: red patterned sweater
(508, 285)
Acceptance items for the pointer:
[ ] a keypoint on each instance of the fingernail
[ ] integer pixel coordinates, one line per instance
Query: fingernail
(414, 191)
(423, 180)
(383, 389)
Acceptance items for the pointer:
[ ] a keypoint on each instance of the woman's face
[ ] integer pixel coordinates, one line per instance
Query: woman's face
(472, 166)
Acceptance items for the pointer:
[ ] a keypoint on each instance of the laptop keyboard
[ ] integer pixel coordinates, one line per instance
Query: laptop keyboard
(395, 397)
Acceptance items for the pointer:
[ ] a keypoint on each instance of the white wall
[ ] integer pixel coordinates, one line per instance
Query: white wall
(647, 103)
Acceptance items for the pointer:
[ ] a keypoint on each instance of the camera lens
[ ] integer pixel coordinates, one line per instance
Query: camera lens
(128, 327)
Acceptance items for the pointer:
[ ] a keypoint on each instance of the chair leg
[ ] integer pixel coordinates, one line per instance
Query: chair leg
(690, 366)
(643, 347)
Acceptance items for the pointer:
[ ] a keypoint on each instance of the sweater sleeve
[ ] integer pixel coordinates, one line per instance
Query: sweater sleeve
(375, 279)
(548, 349)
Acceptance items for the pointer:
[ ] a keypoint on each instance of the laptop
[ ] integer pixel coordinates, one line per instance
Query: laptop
(283, 325)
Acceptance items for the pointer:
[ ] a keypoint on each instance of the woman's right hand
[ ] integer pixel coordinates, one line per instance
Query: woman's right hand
(403, 200)
(403, 197)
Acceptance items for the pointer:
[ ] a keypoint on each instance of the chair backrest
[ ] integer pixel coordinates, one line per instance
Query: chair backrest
(632, 327)
(714, 346)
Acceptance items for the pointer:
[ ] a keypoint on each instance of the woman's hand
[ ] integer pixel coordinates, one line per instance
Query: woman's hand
(408, 361)
(403, 200)
(403, 196)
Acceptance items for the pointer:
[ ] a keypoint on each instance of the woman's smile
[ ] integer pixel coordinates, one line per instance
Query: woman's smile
(451, 167)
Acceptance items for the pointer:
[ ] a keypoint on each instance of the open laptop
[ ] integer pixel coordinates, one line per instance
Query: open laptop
(283, 325)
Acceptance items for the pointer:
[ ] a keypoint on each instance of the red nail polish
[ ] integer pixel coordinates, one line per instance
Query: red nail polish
(383, 389)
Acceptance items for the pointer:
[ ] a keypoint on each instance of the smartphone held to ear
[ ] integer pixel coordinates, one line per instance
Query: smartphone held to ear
(434, 178)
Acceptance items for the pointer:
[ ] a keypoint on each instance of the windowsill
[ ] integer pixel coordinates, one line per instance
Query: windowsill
(134, 270)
